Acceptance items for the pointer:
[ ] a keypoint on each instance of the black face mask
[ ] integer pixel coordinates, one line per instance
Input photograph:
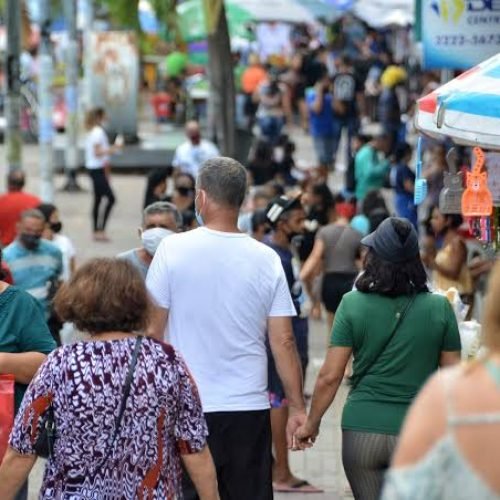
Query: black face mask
(56, 227)
(30, 241)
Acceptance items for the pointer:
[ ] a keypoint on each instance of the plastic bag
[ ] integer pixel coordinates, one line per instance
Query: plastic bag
(470, 336)
(6, 411)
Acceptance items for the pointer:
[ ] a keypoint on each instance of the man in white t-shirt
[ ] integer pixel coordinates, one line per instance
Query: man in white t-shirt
(191, 155)
(223, 294)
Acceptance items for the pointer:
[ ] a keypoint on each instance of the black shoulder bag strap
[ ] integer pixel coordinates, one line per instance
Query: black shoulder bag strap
(126, 392)
(354, 381)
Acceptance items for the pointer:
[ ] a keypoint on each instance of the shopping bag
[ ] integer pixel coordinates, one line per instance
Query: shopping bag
(6, 411)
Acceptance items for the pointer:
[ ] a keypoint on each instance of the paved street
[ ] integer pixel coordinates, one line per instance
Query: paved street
(321, 465)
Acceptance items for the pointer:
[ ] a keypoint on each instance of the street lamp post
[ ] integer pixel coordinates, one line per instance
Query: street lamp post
(13, 137)
(71, 95)
(46, 128)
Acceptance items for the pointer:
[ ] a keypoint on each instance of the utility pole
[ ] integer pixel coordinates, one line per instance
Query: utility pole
(13, 137)
(88, 26)
(45, 108)
(71, 95)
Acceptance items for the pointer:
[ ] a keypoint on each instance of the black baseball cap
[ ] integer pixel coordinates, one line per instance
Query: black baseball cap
(387, 244)
(280, 205)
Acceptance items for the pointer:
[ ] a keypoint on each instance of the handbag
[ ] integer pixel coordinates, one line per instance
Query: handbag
(44, 445)
(356, 379)
(6, 411)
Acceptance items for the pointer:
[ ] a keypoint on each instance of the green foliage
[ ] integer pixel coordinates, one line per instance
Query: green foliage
(123, 13)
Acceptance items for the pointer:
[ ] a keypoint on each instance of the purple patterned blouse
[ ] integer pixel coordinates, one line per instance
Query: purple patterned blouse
(162, 420)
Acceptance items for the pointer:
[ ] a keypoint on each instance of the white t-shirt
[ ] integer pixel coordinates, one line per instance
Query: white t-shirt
(68, 252)
(189, 157)
(220, 289)
(96, 137)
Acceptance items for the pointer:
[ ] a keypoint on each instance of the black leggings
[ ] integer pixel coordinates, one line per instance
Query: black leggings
(102, 189)
(366, 457)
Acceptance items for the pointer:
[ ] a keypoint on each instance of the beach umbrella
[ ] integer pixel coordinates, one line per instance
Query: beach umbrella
(191, 20)
(466, 109)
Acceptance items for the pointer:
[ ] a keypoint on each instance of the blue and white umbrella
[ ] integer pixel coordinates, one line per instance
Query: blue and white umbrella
(466, 109)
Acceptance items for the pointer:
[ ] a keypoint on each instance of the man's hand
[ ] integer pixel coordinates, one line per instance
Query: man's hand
(305, 436)
(296, 419)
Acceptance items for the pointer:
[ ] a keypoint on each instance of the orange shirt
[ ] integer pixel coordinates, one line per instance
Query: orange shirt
(252, 77)
(12, 205)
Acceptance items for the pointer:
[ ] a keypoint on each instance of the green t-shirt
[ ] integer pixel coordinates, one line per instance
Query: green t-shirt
(364, 322)
(22, 328)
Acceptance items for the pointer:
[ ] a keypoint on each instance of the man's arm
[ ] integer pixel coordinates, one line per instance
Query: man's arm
(158, 323)
(22, 365)
(286, 357)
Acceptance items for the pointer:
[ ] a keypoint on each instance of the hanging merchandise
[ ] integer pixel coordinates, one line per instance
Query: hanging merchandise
(450, 199)
(420, 182)
(477, 202)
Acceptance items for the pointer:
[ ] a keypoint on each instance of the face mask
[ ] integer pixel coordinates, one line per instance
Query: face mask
(30, 241)
(195, 139)
(151, 238)
(279, 155)
(56, 227)
(197, 214)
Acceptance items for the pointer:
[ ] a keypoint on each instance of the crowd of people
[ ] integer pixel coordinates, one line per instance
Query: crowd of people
(189, 380)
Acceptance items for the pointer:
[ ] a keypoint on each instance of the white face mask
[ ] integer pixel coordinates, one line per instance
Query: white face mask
(279, 154)
(151, 238)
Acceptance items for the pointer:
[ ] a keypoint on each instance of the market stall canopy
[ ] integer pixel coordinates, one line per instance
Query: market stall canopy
(320, 9)
(191, 19)
(385, 13)
(467, 109)
(286, 11)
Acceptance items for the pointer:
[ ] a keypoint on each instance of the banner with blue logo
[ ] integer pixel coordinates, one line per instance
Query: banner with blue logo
(458, 34)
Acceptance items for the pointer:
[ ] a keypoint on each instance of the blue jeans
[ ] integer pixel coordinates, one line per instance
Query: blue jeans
(325, 149)
(271, 127)
(352, 125)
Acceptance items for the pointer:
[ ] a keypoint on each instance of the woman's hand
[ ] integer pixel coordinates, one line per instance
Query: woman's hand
(305, 436)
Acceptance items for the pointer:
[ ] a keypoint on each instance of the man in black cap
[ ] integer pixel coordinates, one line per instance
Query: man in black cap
(286, 216)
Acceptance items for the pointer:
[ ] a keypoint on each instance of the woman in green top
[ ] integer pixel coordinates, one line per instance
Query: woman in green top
(399, 334)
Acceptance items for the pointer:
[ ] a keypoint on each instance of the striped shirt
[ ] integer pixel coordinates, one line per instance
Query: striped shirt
(35, 270)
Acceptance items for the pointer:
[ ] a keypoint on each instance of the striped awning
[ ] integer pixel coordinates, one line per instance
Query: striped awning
(467, 109)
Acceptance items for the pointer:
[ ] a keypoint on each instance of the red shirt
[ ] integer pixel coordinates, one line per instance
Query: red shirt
(161, 103)
(12, 205)
(7, 277)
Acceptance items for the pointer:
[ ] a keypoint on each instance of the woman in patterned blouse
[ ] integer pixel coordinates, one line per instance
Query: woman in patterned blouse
(162, 422)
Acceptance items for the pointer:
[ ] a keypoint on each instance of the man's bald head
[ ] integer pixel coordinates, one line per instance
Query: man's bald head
(16, 180)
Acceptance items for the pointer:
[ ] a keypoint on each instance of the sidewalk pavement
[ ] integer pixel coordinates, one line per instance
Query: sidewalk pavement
(321, 465)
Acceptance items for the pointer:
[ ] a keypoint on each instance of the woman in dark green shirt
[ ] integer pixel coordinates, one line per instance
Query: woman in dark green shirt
(399, 334)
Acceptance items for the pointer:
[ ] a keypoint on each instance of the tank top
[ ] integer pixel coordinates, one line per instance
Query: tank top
(463, 283)
(444, 473)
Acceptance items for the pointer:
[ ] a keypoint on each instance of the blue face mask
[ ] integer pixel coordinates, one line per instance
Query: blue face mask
(199, 218)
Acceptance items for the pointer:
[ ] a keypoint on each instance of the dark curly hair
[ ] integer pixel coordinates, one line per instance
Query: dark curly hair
(385, 278)
(105, 295)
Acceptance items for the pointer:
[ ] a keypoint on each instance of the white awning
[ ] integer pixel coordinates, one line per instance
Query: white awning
(287, 11)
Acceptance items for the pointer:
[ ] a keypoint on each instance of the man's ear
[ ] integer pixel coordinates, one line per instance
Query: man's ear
(139, 231)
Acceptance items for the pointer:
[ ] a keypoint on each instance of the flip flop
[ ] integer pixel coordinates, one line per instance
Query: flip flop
(300, 487)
